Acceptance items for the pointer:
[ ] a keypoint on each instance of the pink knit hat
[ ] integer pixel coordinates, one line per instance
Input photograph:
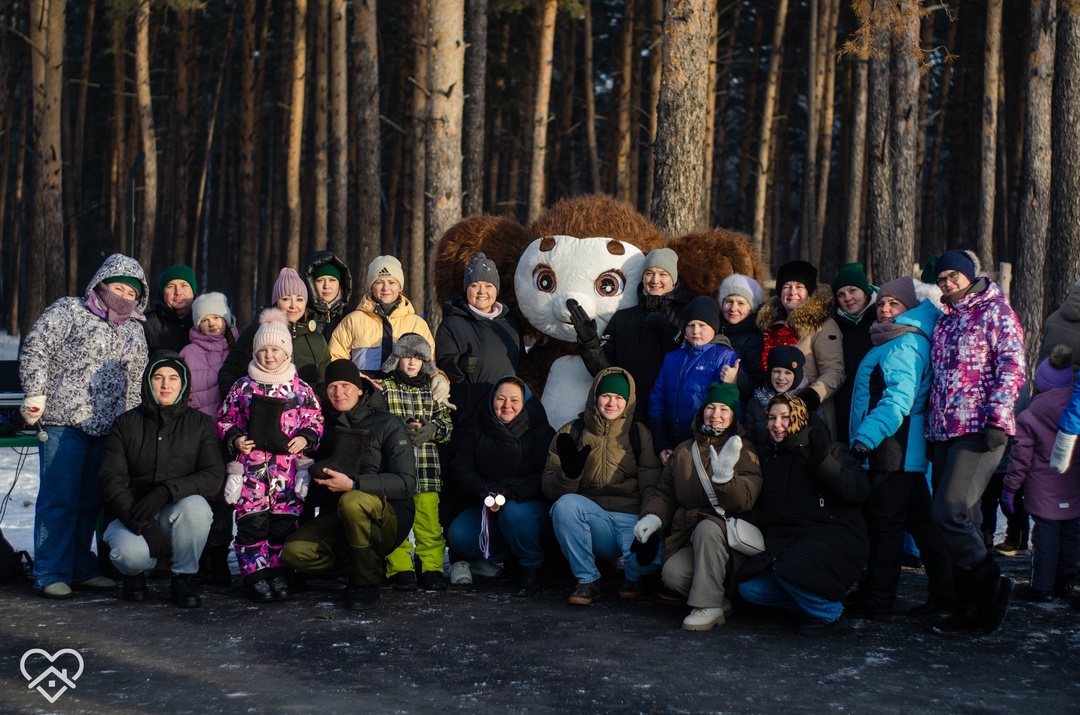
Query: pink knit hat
(289, 283)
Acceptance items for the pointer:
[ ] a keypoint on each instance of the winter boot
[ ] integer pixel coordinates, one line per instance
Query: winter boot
(264, 424)
(135, 587)
(963, 617)
(348, 452)
(214, 566)
(183, 592)
(992, 594)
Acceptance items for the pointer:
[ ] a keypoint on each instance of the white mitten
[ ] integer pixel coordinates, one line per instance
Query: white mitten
(302, 481)
(440, 390)
(1061, 455)
(32, 409)
(234, 482)
(646, 527)
(723, 464)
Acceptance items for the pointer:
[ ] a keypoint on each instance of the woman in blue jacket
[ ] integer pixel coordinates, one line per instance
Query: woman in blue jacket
(888, 412)
(686, 374)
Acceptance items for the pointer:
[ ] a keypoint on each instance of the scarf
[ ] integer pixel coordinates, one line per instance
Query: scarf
(881, 333)
(495, 313)
(383, 312)
(420, 380)
(109, 306)
(283, 374)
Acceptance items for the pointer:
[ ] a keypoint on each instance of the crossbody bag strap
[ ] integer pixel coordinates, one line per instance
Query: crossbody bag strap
(705, 482)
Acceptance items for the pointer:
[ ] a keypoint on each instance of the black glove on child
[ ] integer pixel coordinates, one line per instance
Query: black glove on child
(159, 543)
(810, 396)
(147, 508)
(421, 433)
(467, 362)
(817, 446)
(994, 437)
(583, 324)
(572, 458)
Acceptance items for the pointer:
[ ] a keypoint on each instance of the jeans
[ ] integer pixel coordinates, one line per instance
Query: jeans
(587, 531)
(66, 511)
(962, 469)
(520, 529)
(768, 589)
(186, 523)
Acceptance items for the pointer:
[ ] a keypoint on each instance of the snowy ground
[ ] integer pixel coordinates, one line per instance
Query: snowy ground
(18, 478)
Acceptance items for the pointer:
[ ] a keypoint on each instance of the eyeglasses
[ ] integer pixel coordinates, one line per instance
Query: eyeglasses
(951, 277)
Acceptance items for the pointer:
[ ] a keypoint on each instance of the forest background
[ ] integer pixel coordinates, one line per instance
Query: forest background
(239, 135)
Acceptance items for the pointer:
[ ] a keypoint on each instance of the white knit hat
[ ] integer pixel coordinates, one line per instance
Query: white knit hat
(385, 267)
(209, 304)
(273, 331)
(743, 286)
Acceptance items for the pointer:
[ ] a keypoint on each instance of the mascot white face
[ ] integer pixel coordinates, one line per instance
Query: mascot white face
(601, 274)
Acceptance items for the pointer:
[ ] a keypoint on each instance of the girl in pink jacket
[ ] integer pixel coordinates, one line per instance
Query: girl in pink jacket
(209, 341)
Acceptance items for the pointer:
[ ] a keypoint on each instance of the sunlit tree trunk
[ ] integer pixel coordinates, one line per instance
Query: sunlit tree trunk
(320, 155)
(541, 102)
(147, 134)
(767, 112)
(989, 153)
(1064, 253)
(473, 134)
(590, 102)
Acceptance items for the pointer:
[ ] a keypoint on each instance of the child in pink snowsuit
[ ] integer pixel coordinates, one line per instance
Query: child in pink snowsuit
(270, 491)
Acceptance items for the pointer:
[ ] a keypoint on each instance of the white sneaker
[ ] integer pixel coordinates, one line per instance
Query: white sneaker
(460, 574)
(57, 589)
(485, 568)
(703, 619)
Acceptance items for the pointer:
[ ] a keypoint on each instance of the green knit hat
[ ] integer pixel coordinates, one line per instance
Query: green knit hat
(613, 382)
(853, 274)
(177, 272)
(326, 269)
(127, 280)
(725, 393)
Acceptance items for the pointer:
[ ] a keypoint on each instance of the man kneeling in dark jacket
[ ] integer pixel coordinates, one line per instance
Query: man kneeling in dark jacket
(367, 467)
(162, 460)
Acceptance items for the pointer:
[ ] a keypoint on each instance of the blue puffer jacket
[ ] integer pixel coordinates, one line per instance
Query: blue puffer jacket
(680, 389)
(892, 388)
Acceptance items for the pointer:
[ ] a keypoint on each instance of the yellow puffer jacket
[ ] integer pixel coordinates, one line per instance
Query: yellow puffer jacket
(359, 336)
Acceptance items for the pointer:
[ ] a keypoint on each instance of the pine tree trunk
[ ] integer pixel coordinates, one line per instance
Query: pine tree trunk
(1029, 296)
(117, 127)
(15, 326)
(711, 93)
(766, 140)
(815, 89)
(625, 87)
(320, 165)
(988, 176)
(541, 102)
(337, 221)
(747, 157)
(78, 148)
(186, 99)
(590, 102)
(825, 141)
(446, 63)
(148, 136)
(933, 243)
(47, 213)
(897, 254)
(857, 162)
(725, 62)
(475, 86)
(295, 134)
(414, 279)
(369, 133)
(1064, 254)
(250, 140)
(656, 65)
(879, 206)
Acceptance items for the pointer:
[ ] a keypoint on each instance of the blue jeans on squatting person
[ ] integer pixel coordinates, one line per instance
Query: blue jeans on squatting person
(521, 529)
(768, 589)
(1055, 552)
(67, 507)
(186, 523)
(586, 531)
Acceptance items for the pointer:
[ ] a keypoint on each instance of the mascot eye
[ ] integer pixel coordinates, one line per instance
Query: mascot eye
(610, 284)
(544, 278)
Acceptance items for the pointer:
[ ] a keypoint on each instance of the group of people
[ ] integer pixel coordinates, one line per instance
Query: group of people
(776, 450)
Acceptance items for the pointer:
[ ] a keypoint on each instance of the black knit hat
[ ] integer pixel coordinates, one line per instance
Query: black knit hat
(799, 272)
(702, 308)
(344, 370)
(788, 357)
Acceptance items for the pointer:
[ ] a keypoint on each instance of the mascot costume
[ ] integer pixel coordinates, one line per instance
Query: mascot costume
(590, 249)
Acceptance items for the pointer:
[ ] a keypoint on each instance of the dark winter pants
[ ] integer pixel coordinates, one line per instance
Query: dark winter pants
(962, 468)
(1056, 551)
(355, 540)
(902, 501)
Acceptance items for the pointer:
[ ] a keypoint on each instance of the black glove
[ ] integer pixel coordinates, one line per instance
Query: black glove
(159, 543)
(583, 324)
(994, 437)
(467, 362)
(147, 508)
(817, 446)
(810, 396)
(860, 451)
(572, 459)
(421, 433)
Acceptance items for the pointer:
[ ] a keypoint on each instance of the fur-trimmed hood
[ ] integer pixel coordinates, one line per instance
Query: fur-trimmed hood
(805, 320)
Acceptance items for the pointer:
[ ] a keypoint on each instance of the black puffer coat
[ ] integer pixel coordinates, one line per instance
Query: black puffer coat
(328, 316)
(815, 536)
(496, 457)
(387, 464)
(175, 446)
(310, 354)
(857, 344)
(637, 339)
(496, 342)
(165, 330)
